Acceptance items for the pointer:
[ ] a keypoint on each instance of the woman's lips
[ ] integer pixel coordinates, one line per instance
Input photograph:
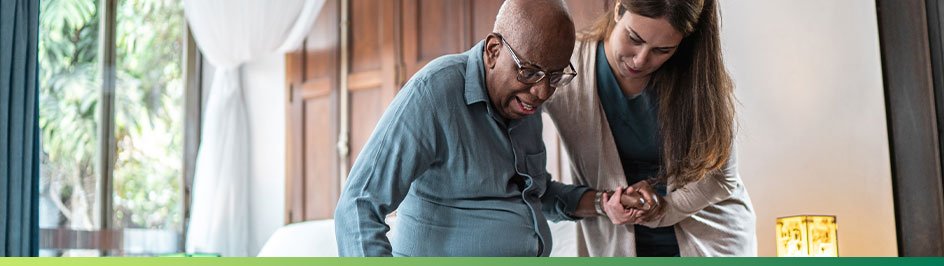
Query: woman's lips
(631, 70)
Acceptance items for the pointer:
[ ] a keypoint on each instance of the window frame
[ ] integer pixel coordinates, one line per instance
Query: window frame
(108, 239)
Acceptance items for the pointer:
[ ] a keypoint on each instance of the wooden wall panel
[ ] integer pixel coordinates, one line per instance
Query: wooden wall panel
(365, 42)
(322, 184)
(372, 80)
(366, 64)
(443, 26)
(585, 12)
(483, 19)
(312, 125)
(321, 47)
(294, 189)
(432, 28)
(369, 107)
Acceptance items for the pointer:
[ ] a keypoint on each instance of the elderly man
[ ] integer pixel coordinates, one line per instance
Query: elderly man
(459, 151)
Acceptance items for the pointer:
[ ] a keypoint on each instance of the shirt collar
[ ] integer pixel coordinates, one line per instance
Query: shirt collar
(475, 90)
(475, 75)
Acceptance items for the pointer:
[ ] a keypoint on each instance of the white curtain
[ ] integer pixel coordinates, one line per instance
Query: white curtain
(231, 33)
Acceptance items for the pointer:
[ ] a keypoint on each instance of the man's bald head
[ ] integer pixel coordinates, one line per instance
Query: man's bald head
(530, 24)
(541, 34)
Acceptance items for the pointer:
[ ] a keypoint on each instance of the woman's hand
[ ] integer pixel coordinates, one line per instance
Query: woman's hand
(615, 209)
(652, 199)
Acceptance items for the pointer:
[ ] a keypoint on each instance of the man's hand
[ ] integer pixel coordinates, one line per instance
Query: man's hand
(652, 198)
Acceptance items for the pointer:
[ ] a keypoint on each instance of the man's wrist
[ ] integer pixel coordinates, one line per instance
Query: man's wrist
(598, 203)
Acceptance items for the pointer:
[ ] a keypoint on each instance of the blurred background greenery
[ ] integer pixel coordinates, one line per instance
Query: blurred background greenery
(148, 114)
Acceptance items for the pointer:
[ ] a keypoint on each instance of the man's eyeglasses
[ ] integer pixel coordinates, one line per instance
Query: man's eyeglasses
(529, 73)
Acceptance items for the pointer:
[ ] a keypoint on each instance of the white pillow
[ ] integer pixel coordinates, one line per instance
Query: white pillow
(305, 239)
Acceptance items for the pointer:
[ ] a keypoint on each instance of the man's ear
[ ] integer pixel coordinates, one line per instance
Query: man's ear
(492, 51)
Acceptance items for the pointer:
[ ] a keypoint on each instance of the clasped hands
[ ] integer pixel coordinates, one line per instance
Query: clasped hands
(638, 203)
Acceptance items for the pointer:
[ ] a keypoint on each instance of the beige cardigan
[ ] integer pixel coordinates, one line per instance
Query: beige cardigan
(712, 217)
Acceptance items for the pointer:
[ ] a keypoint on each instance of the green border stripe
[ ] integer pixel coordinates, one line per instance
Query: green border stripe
(937, 261)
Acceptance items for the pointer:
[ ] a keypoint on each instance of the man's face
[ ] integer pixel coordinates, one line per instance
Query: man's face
(509, 82)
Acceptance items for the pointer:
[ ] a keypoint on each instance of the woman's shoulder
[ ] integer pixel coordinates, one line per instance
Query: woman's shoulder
(578, 94)
(584, 51)
(584, 61)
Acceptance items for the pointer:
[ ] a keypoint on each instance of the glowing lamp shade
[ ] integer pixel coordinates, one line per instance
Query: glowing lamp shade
(807, 236)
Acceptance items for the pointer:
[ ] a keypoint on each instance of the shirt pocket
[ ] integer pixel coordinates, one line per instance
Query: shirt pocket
(537, 168)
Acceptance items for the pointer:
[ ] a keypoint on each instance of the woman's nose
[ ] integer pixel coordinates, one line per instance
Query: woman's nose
(639, 59)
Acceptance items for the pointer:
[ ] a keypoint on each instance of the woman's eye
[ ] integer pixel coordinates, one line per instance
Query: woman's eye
(632, 40)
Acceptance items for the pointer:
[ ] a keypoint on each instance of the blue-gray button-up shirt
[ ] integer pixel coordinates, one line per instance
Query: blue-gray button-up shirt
(464, 181)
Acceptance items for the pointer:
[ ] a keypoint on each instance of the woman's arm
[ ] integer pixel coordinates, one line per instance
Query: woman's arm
(695, 196)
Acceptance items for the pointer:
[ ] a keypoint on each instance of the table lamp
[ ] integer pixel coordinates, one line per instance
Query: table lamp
(807, 236)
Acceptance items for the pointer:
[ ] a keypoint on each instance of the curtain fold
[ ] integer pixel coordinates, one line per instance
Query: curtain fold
(19, 128)
(231, 33)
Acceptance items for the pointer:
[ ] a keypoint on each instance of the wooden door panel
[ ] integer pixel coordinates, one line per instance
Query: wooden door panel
(483, 19)
(311, 124)
(441, 28)
(585, 12)
(321, 47)
(365, 45)
(372, 81)
(322, 184)
(367, 107)
(432, 28)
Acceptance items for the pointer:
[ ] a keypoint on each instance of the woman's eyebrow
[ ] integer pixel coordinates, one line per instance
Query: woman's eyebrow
(635, 35)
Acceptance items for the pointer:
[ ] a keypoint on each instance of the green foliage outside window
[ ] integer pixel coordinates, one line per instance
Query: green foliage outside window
(148, 112)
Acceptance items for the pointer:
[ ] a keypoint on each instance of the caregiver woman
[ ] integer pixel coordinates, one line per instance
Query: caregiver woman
(653, 106)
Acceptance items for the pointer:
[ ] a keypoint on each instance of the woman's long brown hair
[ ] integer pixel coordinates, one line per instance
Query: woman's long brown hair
(693, 88)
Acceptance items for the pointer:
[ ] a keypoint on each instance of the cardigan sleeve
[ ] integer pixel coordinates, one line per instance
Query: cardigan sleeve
(693, 197)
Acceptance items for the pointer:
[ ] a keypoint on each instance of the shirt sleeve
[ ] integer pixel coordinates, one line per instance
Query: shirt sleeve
(560, 200)
(695, 196)
(400, 149)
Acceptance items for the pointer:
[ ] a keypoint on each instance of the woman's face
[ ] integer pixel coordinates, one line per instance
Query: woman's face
(639, 45)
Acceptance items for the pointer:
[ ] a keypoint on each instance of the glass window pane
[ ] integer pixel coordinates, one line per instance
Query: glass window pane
(149, 106)
(70, 85)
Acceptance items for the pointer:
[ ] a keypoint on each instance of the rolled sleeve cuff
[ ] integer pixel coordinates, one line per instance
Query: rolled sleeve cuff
(565, 200)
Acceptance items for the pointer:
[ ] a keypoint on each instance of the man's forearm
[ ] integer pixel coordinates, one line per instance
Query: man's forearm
(586, 208)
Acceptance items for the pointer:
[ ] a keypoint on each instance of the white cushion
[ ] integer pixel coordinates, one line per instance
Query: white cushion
(305, 239)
